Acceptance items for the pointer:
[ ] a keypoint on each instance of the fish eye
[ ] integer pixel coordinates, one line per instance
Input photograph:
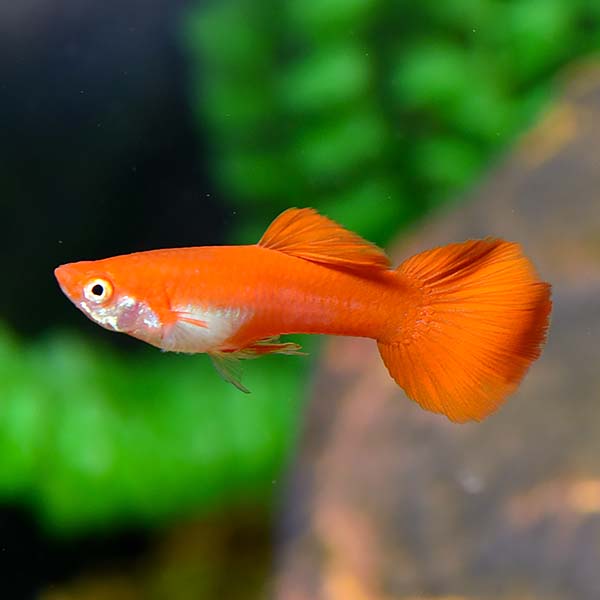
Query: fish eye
(98, 290)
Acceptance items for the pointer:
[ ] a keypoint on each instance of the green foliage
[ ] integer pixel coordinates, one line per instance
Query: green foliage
(91, 438)
(367, 107)
(326, 80)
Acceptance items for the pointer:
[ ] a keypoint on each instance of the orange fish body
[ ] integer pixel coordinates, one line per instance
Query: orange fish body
(457, 326)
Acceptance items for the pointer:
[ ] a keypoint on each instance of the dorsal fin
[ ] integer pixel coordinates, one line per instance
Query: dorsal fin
(304, 233)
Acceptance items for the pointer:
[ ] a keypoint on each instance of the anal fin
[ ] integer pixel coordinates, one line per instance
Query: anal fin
(228, 364)
(270, 346)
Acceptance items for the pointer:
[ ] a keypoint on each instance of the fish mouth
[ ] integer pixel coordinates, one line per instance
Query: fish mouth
(65, 279)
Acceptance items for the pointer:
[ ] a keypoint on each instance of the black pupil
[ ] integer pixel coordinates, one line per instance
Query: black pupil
(97, 290)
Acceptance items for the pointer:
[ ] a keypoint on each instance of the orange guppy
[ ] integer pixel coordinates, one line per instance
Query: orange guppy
(457, 326)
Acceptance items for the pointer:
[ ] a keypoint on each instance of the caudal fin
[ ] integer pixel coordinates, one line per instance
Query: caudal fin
(479, 319)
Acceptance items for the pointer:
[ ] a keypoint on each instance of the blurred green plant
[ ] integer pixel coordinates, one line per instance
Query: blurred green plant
(91, 439)
(372, 111)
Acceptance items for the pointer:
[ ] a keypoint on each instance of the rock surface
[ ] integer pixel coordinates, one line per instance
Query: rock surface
(388, 501)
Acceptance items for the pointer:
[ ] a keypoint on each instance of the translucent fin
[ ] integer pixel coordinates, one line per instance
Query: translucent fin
(270, 346)
(187, 332)
(477, 321)
(304, 233)
(228, 366)
(190, 319)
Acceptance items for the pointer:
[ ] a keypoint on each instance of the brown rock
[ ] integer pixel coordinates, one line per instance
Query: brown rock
(388, 501)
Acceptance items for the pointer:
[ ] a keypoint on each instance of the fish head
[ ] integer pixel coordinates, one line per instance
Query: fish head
(106, 295)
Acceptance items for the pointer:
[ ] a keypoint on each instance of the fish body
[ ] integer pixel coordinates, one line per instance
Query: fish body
(245, 293)
(310, 275)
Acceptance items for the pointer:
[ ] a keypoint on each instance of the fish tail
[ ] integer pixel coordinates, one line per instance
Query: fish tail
(477, 319)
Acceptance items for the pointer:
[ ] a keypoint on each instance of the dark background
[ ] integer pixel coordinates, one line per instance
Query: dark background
(99, 154)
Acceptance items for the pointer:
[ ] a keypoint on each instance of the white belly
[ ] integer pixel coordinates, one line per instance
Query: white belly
(202, 329)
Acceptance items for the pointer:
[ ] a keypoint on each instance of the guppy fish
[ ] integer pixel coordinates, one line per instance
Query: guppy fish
(457, 326)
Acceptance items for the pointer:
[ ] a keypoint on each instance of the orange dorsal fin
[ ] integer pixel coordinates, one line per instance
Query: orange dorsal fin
(477, 321)
(304, 233)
